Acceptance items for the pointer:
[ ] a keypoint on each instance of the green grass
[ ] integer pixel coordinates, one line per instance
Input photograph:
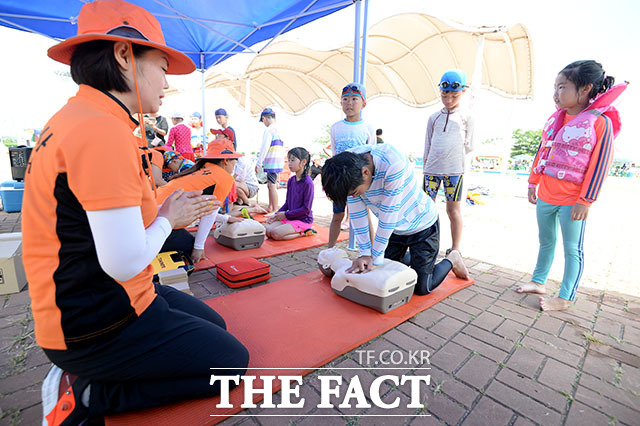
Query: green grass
(618, 372)
(622, 341)
(592, 339)
(567, 395)
(438, 388)
(423, 410)
(13, 414)
(18, 359)
(351, 421)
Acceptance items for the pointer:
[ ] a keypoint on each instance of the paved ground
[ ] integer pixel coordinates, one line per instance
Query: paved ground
(495, 358)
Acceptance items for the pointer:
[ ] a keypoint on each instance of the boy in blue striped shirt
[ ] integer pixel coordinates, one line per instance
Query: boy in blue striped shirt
(380, 178)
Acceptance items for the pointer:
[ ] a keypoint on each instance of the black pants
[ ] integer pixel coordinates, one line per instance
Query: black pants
(165, 355)
(179, 240)
(423, 249)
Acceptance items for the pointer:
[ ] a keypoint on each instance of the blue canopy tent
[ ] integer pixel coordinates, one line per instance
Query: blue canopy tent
(208, 31)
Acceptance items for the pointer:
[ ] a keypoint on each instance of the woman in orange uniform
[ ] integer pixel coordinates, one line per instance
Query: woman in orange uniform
(91, 227)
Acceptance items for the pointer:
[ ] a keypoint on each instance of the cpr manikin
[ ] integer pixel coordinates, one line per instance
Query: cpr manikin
(384, 288)
(243, 235)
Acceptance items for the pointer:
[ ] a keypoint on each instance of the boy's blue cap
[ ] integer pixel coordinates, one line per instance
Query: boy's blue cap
(221, 111)
(355, 89)
(266, 111)
(196, 115)
(453, 81)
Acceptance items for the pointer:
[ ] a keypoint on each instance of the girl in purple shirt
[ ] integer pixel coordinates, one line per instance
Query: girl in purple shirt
(295, 217)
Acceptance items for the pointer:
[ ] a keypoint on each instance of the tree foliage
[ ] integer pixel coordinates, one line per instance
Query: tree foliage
(525, 142)
(8, 141)
(325, 138)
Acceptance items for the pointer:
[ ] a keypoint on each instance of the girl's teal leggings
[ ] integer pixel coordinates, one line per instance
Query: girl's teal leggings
(572, 239)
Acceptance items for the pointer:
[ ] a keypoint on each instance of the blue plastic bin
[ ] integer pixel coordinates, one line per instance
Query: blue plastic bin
(11, 193)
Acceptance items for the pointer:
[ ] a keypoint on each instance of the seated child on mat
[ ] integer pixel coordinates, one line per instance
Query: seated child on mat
(246, 182)
(295, 217)
(211, 174)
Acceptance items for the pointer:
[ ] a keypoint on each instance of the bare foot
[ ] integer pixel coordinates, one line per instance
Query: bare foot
(531, 287)
(459, 268)
(555, 304)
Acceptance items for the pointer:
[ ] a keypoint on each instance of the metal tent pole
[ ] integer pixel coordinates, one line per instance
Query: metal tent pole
(356, 42)
(363, 56)
(356, 78)
(204, 127)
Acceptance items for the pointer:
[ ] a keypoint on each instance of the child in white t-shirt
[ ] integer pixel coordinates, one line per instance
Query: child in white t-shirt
(346, 134)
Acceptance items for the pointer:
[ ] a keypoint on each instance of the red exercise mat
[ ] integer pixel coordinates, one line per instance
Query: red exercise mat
(217, 253)
(258, 217)
(296, 322)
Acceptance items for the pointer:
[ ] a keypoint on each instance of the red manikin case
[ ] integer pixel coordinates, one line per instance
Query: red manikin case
(243, 272)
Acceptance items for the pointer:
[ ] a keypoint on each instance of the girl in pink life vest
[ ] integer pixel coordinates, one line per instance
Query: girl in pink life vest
(571, 164)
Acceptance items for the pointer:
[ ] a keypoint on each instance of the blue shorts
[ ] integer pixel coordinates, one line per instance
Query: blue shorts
(338, 209)
(452, 186)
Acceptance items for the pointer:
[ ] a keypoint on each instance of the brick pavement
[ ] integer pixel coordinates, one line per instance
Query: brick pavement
(495, 359)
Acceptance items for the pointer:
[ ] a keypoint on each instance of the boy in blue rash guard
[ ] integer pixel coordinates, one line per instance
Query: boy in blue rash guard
(379, 178)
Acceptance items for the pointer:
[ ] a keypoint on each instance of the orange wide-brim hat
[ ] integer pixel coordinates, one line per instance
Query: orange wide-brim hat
(221, 148)
(118, 20)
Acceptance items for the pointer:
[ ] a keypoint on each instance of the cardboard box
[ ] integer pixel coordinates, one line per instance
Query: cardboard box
(176, 278)
(12, 277)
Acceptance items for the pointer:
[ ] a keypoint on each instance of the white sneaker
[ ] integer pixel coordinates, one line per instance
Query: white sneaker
(50, 387)
(62, 399)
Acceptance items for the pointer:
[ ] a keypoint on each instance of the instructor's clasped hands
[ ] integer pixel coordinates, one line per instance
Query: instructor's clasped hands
(182, 208)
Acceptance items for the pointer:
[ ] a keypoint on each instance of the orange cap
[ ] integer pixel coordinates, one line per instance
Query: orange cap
(118, 20)
(221, 148)
(228, 133)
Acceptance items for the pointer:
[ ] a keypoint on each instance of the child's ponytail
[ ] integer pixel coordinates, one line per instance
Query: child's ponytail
(301, 154)
(607, 83)
(583, 73)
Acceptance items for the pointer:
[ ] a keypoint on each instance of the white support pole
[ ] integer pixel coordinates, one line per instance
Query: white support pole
(476, 78)
(204, 127)
(356, 42)
(363, 56)
(247, 96)
(247, 109)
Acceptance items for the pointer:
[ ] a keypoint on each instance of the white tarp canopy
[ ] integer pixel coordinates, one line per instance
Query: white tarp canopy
(407, 54)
